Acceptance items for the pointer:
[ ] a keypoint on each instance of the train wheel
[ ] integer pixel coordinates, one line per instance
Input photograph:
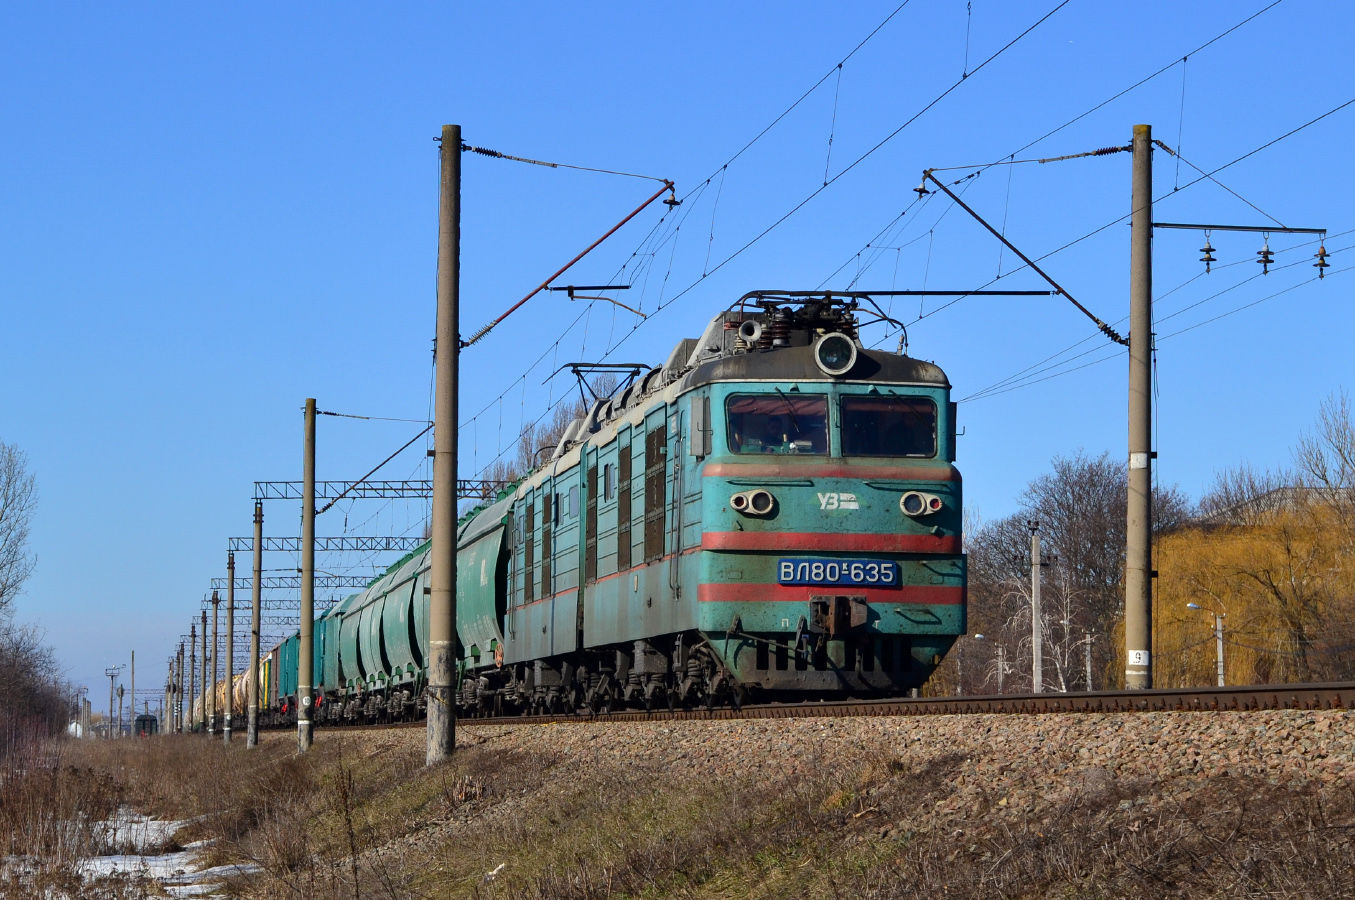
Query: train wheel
(737, 697)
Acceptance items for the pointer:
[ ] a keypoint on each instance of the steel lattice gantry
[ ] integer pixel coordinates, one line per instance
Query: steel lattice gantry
(342, 544)
(369, 490)
(293, 582)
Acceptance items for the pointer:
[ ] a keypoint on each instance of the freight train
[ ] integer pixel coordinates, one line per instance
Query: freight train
(773, 514)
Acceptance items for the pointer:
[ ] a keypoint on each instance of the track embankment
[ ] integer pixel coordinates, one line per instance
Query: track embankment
(1146, 804)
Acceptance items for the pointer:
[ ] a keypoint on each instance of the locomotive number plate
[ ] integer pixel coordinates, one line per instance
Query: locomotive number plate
(837, 571)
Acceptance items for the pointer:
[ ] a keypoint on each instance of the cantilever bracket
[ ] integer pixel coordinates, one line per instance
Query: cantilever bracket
(1105, 329)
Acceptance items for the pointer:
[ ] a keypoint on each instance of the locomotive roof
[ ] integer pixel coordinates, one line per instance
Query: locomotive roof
(797, 364)
(720, 355)
(791, 321)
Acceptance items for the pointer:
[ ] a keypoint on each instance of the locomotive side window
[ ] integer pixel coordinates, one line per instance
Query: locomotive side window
(778, 423)
(888, 426)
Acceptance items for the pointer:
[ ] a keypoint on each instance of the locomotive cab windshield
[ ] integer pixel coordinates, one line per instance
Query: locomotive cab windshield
(888, 426)
(777, 423)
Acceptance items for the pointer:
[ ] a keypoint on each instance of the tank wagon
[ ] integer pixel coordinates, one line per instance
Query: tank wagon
(774, 513)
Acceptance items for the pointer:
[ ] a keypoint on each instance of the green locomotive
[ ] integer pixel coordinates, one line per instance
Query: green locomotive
(774, 513)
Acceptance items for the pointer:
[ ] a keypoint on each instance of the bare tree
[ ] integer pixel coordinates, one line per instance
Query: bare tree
(18, 500)
(33, 696)
(538, 437)
(1326, 463)
(1326, 456)
(1237, 493)
(1081, 510)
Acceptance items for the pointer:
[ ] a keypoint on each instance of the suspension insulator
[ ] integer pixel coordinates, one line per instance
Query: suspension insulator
(1267, 257)
(1321, 265)
(1208, 258)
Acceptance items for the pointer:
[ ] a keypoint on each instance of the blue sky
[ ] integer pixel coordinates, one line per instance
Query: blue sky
(209, 214)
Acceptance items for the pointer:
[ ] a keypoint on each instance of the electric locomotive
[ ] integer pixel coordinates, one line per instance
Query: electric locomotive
(774, 514)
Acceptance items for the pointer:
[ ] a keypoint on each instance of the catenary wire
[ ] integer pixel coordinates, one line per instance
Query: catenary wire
(663, 304)
(1011, 158)
(1019, 376)
(868, 153)
(834, 69)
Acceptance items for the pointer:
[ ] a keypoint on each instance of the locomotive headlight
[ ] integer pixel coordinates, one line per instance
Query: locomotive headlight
(835, 354)
(753, 503)
(760, 502)
(916, 503)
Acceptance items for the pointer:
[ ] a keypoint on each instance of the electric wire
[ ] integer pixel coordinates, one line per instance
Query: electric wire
(1180, 121)
(495, 154)
(832, 128)
(665, 303)
(1271, 143)
(648, 267)
(856, 162)
(1205, 176)
(1143, 81)
(788, 110)
(1107, 358)
(885, 140)
(992, 388)
(324, 412)
(1181, 159)
(1011, 158)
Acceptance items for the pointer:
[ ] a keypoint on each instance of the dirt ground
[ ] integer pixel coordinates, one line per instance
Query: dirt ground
(1091, 805)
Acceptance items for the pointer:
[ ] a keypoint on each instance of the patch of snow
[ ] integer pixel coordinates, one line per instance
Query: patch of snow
(136, 833)
(165, 865)
(175, 871)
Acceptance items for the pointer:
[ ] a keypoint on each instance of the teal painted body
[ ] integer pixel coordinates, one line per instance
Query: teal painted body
(625, 571)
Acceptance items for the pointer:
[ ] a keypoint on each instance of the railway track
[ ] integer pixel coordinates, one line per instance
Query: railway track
(1331, 695)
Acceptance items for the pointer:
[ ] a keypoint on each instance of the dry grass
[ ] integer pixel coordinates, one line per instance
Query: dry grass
(50, 807)
(361, 817)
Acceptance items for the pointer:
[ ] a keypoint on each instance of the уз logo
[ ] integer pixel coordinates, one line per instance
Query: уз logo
(835, 500)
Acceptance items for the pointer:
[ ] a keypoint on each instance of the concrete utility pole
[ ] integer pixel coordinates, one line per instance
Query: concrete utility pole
(305, 653)
(112, 674)
(178, 693)
(1138, 564)
(252, 716)
(1218, 643)
(1218, 637)
(120, 693)
(216, 665)
(203, 683)
(447, 351)
(131, 725)
(1036, 614)
(230, 644)
(192, 674)
(1087, 657)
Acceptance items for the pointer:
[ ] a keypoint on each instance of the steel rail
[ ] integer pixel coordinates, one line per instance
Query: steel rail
(1327, 695)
